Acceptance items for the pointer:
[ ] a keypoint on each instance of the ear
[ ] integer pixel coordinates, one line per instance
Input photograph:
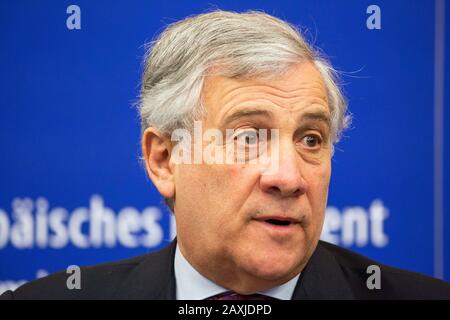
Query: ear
(156, 150)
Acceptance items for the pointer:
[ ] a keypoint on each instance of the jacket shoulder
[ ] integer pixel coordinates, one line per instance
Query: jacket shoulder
(393, 283)
(96, 282)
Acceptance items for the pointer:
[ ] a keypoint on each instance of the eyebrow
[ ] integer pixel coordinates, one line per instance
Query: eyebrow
(246, 113)
(308, 116)
(316, 116)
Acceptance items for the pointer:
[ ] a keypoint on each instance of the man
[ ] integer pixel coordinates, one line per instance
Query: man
(249, 199)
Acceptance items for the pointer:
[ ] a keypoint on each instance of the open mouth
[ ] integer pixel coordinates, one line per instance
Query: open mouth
(278, 226)
(277, 222)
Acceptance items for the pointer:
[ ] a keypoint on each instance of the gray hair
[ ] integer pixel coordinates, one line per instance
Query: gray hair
(250, 44)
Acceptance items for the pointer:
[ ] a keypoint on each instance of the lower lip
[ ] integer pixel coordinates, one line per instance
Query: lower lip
(278, 230)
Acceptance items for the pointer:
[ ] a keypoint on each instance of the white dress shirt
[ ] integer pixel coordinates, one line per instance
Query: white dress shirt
(191, 285)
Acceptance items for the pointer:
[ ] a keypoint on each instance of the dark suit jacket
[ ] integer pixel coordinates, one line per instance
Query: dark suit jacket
(331, 273)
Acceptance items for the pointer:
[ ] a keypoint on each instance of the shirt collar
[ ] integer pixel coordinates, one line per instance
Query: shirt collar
(191, 285)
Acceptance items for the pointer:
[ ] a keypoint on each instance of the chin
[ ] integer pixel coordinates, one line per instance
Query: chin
(275, 266)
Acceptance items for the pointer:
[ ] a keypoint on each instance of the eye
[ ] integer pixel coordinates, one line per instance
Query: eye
(247, 137)
(312, 141)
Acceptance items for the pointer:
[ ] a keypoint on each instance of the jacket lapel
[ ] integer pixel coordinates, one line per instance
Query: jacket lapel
(152, 279)
(322, 278)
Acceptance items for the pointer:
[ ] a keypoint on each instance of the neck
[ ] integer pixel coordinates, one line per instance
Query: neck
(228, 275)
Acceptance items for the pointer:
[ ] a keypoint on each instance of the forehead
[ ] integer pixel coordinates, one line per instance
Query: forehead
(299, 87)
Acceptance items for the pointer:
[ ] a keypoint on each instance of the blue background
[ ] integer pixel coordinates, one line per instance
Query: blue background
(68, 129)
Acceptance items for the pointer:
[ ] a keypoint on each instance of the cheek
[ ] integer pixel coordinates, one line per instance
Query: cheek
(231, 186)
(214, 193)
(319, 183)
(232, 183)
(209, 203)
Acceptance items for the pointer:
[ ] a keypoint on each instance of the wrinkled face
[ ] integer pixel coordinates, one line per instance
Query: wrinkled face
(238, 217)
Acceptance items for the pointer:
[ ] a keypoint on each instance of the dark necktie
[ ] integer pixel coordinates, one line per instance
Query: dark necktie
(230, 295)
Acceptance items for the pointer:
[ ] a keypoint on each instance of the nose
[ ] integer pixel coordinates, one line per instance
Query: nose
(285, 179)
